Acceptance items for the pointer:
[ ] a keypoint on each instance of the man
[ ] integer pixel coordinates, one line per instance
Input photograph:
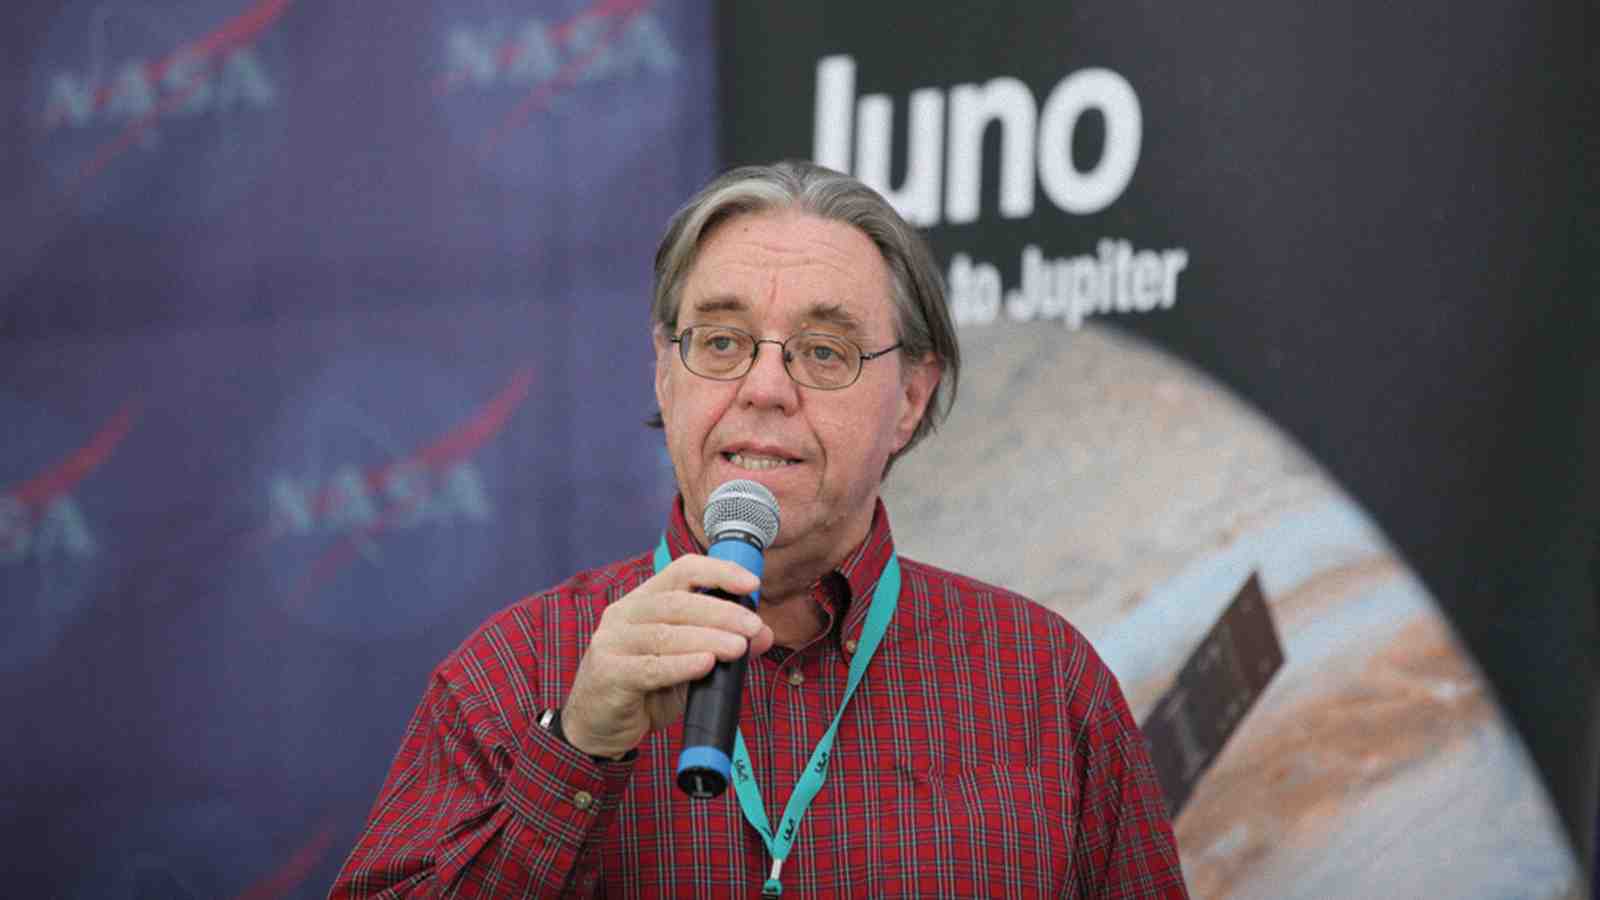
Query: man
(802, 341)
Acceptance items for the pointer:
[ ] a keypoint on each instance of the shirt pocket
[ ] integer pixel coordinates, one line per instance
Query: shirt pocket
(999, 828)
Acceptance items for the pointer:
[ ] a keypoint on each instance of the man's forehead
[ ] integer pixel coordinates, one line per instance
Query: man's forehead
(821, 271)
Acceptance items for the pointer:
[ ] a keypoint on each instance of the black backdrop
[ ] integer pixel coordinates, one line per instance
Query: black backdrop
(1388, 214)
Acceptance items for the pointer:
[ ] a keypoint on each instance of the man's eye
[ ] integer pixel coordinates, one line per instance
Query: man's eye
(823, 352)
(720, 342)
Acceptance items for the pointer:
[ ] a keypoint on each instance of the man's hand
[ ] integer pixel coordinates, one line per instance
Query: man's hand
(650, 645)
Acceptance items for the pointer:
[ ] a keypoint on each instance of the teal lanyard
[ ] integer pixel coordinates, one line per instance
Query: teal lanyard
(884, 599)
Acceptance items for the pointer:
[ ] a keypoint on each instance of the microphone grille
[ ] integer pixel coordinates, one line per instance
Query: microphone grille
(742, 505)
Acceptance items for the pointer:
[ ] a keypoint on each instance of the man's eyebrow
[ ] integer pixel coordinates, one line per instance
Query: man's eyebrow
(834, 314)
(720, 303)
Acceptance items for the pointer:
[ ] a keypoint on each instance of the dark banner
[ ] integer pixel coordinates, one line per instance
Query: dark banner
(1366, 226)
(324, 335)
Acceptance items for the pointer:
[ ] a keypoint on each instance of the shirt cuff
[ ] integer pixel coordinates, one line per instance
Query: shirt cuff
(563, 793)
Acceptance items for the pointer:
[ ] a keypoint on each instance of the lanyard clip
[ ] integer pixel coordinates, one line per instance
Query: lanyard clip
(773, 887)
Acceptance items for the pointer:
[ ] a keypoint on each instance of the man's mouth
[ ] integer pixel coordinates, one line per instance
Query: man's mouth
(757, 462)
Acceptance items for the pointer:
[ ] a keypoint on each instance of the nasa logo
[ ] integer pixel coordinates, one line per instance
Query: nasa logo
(48, 546)
(369, 533)
(131, 102)
(500, 68)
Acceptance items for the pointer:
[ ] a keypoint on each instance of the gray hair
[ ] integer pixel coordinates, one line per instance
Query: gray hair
(923, 316)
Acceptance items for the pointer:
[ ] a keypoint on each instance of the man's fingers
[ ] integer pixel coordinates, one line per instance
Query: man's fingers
(663, 634)
(662, 639)
(693, 572)
(653, 673)
(681, 607)
(762, 641)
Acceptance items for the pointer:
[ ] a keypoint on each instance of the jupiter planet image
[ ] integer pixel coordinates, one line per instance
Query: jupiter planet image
(1134, 496)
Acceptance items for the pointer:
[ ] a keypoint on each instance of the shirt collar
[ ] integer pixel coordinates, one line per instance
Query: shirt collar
(857, 573)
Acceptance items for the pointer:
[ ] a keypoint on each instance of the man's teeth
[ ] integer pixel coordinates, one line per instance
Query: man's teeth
(757, 463)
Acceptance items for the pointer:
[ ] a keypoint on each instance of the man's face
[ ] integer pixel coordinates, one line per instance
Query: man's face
(822, 453)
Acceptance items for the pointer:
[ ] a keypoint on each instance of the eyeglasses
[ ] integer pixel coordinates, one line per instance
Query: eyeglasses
(826, 362)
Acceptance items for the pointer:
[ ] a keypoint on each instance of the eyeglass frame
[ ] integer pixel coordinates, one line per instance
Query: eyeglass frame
(784, 354)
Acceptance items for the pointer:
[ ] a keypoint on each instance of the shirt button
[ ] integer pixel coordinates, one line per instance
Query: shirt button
(796, 678)
(850, 646)
(583, 799)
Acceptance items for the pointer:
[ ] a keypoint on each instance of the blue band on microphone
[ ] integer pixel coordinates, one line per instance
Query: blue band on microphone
(736, 551)
(705, 758)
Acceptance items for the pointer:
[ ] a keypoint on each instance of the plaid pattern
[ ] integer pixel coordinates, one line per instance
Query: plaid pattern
(987, 753)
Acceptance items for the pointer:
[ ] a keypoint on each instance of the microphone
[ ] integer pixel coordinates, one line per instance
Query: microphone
(741, 520)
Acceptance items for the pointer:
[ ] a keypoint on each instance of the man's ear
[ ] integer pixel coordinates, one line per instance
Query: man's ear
(664, 353)
(917, 384)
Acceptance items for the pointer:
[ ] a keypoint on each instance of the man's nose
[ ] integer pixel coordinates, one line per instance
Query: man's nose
(768, 382)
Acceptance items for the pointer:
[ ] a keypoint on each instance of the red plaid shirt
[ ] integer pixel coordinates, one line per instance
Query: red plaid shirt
(987, 753)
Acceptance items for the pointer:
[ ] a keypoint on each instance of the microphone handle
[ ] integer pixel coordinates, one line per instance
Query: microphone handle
(710, 720)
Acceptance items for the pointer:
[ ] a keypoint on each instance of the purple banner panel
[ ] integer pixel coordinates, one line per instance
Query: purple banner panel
(325, 335)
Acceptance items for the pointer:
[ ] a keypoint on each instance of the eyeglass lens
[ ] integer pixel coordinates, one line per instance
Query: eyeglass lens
(812, 358)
